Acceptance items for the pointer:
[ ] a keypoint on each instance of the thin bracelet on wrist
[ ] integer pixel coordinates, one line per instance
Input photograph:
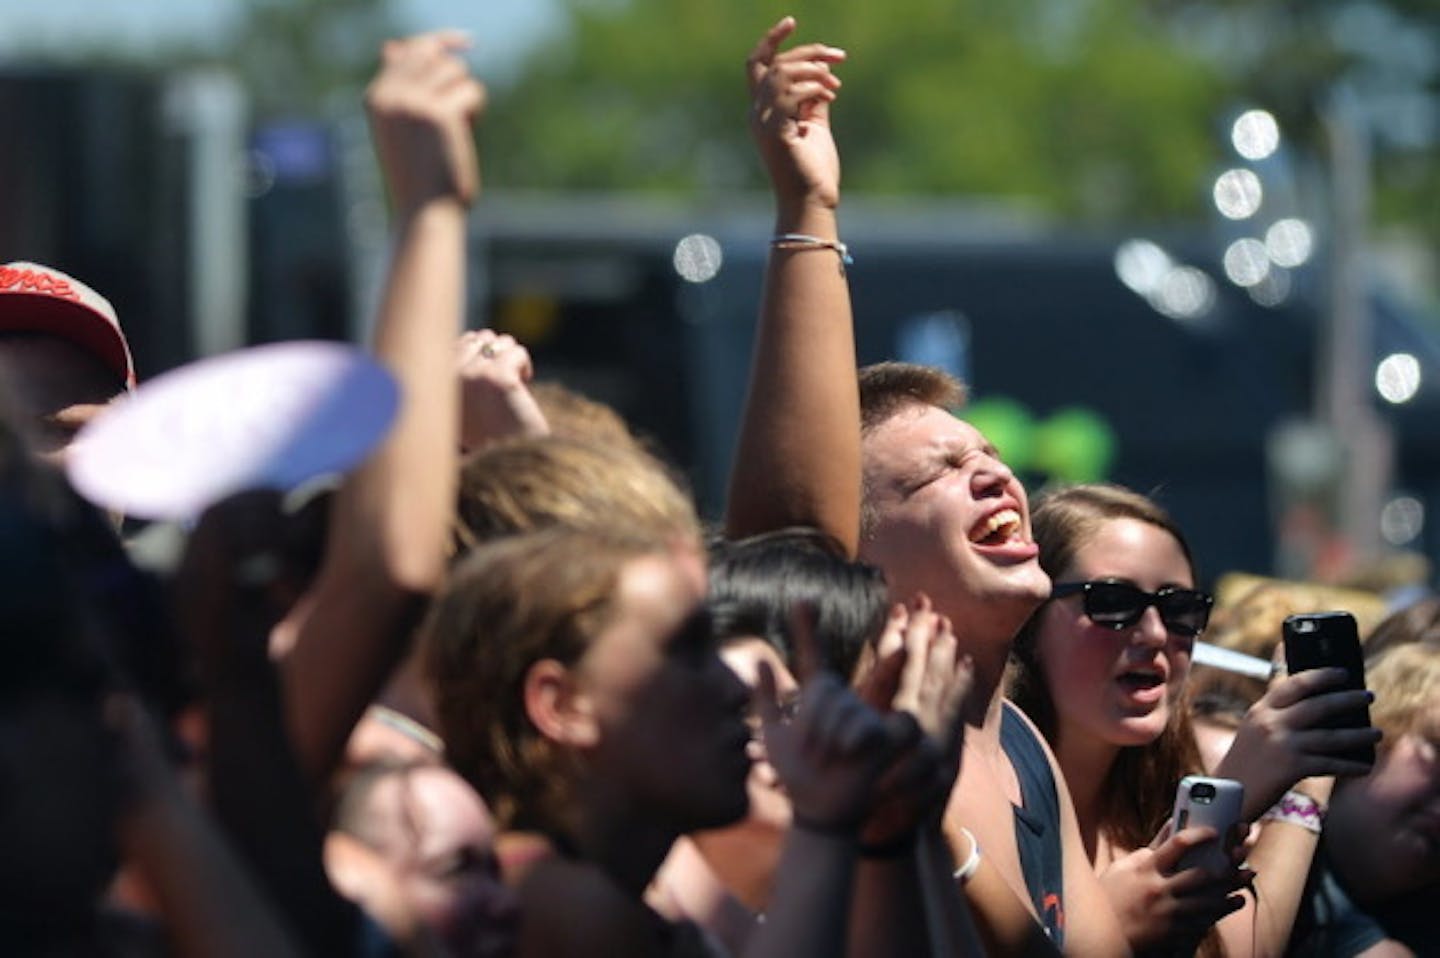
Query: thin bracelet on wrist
(804, 241)
(971, 865)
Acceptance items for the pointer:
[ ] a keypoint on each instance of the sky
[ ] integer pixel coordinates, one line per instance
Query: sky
(504, 30)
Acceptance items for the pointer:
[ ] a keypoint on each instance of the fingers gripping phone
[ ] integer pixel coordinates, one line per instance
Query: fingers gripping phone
(1330, 640)
(1215, 803)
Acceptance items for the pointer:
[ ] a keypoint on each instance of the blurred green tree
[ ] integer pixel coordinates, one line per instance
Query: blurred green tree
(1086, 108)
(305, 57)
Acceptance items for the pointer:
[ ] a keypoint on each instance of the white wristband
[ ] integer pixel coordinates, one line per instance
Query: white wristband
(972, 864)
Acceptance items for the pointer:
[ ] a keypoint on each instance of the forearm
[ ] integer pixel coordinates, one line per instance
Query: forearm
(390, 521)
(806, 913)
(953, 929)
(211, 907)
(402, 499)
(887, 907)
(798, 457)
(1281, 860)
(262, 801)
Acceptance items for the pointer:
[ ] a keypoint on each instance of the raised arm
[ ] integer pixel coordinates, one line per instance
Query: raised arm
(212, 907)
(1282, 744)
(231, 598)
(906, 896)
(798, 457)
(388, 528)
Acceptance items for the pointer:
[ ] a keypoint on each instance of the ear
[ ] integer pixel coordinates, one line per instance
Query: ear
(557, 706)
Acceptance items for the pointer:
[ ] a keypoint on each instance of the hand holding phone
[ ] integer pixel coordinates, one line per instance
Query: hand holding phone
(1203, 801)
(1330, 640)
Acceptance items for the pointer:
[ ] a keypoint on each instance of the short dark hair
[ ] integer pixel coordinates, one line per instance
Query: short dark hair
(887, 388)
(755, 582)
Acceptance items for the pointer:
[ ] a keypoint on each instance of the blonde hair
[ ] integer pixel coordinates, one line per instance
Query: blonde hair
(1406, 683)
(577, 416)
(533, 483)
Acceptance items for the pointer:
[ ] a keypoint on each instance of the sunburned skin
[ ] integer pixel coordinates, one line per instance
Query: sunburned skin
(953, 522)
(1116, 687)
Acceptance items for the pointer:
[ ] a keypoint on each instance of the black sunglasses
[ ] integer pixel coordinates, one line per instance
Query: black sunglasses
(1119, 605)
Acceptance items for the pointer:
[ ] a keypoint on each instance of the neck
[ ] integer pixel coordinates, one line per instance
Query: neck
(627, 845)
(1085, 761)
(987, 641)
(744, 859)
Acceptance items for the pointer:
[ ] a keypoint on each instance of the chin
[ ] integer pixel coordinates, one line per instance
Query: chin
(729, 808)
(1140, 731)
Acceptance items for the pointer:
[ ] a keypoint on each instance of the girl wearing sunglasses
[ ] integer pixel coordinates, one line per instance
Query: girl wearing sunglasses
(1101, 668)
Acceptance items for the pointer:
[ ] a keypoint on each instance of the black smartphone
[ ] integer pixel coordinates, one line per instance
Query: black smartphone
(1319, 640)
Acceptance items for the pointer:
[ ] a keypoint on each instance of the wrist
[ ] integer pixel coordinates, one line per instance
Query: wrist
(1297, 808)
(1318, 788)
(432, 207)
(807, 215)
(849, 831)
(890, 849)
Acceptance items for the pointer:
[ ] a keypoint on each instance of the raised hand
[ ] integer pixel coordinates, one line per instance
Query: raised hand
(918, 673)
(495, 399)
(421, 106)
(791, 93)
(1161, 909)
(831, 753)
(1282, 739)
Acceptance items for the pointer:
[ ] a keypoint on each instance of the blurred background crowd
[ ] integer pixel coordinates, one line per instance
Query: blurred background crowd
(1224, 211)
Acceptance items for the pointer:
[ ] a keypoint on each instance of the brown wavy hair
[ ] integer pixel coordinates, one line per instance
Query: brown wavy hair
(1139, 789)
(510, 604)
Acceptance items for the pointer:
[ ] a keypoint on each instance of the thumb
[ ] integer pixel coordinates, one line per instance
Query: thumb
(765, 697)
(881, 685)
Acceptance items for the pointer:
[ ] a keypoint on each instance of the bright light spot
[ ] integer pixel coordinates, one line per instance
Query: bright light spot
(698, 258)
(1289, 242)
(1304, 455)
(1402, 520)
(1255, 134)
(1246, 262)
(1274, 289)
(1142, 266)
(1238, 194)
(1184, 293)
(1397, 378)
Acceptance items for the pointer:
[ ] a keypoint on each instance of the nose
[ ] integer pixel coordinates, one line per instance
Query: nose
(991, 476)
(1150, 631)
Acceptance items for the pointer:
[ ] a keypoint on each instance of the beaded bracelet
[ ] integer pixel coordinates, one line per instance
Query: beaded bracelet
(1297, 808)
(806, 241)
(972, 862)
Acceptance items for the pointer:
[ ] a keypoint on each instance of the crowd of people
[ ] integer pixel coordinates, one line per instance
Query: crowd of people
(502, 691)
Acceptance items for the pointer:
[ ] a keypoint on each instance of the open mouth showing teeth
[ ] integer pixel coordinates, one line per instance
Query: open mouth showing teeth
(998, 529)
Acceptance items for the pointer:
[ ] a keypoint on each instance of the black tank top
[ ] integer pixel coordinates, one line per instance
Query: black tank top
(1037, 823)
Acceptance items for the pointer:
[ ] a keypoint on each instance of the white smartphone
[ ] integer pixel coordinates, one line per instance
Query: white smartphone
(1214, 802)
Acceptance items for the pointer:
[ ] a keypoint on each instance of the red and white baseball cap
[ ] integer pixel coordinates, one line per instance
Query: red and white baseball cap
(38, 299)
